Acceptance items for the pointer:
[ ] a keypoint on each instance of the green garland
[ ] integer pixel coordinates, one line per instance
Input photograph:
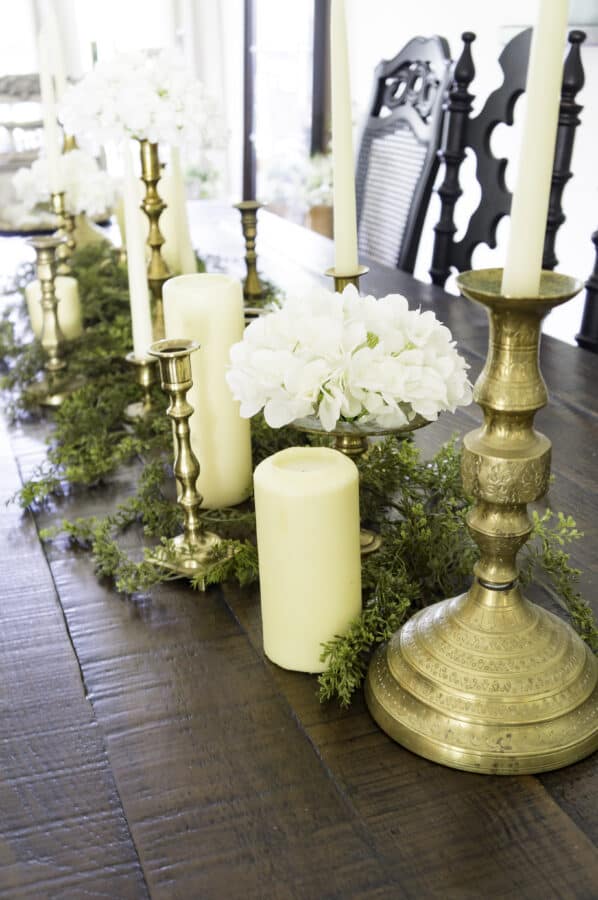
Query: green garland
(418, 506)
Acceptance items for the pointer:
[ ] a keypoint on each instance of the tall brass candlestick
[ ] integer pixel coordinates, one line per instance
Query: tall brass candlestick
(252, 286)
(145, 376)
(66, 227)
(488, 681)
(153, 206)
(51, 391)
(187, 553)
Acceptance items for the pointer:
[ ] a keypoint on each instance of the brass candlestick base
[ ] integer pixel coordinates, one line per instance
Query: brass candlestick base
(252, 286)
(145, 375)
(66, 228)
(487, 681)
(187, 553)
(153, 206)
(341, 281)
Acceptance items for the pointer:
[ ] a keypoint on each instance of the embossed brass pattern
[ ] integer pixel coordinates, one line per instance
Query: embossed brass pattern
(187, 553)
(252, 286)
(153, 206)
(66, 228)
(488, 681)
(145, 375)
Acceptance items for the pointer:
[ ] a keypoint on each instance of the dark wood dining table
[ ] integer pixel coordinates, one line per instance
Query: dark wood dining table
(149, 749)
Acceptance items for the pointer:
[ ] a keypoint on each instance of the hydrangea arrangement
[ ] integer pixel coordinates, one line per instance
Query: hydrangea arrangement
(349, 358)
(141, 95)
(88, 189)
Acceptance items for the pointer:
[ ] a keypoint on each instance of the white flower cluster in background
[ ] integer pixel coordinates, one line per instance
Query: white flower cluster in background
(342, 356)
(149, 96)
(88, 188)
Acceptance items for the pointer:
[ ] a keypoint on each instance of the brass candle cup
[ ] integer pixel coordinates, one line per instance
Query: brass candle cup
(187, 553)
(153, 206)
(252, 286)
(488, 681)
(145, 376)
(341, 281)
(65, 230)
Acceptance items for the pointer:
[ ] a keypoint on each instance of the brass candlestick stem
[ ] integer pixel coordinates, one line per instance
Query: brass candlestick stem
(187, 553)
(145, 375)
(488, 681)
(51, 391)
(153, 206)
(252, 286)
(65, 230)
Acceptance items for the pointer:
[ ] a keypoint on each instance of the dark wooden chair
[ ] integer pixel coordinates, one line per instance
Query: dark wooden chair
(397, 160)
(462, 132)
(588, 332)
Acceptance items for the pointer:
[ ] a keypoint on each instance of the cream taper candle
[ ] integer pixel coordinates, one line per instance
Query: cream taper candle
(141, 318)
(345, 218)
(187, 259)
(68, 309)
(209, 310)
(307, 522)
(52, 141)
(529, 210)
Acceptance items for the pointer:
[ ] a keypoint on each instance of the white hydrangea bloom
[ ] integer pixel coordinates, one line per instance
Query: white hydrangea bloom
(87, 188)
(348, 358)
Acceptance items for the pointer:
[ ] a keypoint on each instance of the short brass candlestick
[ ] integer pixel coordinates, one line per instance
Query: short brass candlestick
(488, 681)
(52, 390)
(187, 553)
(145, 375)
(153, 206)
(66, 227)
(341, 281)
(252, 286)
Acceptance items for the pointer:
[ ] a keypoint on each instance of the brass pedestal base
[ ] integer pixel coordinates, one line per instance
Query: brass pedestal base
(145, 376)
(487, 682)
(184, 558)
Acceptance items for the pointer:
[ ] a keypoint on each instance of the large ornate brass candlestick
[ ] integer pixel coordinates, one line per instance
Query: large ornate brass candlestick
(66, 227)
(488, 681)
(153, 206)
(187, 553)
(252, 286)
(51, 391)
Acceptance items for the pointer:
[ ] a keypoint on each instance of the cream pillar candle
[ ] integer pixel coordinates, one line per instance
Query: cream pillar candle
(345, 218)
(307, 521)
(68, 310)
(209, 309)
(52, 141)
(529, 210)
(136, 265)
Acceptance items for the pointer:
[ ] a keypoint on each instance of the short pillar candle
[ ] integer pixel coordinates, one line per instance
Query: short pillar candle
(307, 522)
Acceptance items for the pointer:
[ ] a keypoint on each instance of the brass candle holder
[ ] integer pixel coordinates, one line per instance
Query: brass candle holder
(69, 142)
(187, 553)
(52, 390)
(153, 206)
(65, 230)
(145, 376)
(252, 286)
(488, 681)
(341, 281)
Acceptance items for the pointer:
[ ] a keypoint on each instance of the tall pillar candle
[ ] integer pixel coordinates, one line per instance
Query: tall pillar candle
(345, 217)
(307, 522)
(209, 310)
(529, 210)
(136, 265)
(68, 309)
(52, 141)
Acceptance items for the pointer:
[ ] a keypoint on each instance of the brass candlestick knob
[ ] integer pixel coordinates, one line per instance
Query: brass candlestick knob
(488, 681)
(153, 206)
(51, 391)
(65, 230)
(252, 286)
(341, 281)
(187, 553)
(145, 375)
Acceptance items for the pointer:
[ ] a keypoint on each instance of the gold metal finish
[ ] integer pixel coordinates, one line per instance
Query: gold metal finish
(69, 142)
(187, 553)
(153, 206)
(252, 286)
(488, 681)
(145, 375)
(66, 227)
(341, 281)
(52, 390)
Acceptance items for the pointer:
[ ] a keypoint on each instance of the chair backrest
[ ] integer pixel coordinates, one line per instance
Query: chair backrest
(588, 332)
(20, 121)
(462, 131)
(397, 160)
